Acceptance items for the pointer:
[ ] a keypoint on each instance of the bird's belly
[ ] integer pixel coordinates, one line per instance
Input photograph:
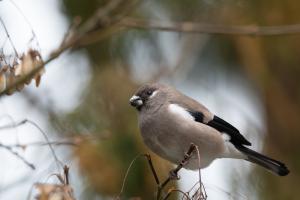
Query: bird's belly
(173, 145)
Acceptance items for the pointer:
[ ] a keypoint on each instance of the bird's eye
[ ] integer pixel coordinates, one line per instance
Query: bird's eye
(149, 92)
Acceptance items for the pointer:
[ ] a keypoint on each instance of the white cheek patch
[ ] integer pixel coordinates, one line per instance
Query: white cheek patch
(180, 111)
(153, 94)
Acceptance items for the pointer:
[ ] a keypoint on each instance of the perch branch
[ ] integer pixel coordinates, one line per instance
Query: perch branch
(174, 172)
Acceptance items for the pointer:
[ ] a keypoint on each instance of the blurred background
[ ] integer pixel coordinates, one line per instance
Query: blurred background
(252, 82)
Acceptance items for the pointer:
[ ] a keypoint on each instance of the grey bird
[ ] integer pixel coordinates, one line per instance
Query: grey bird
(170, 121)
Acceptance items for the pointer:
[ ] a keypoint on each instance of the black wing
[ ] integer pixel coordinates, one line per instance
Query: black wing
(236, 137)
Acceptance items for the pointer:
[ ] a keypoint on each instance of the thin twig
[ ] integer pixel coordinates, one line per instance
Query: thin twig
(58, 162)
(14, 125)
(148, 157)
(8, 36)
(193, 27)
(27, 21)
(79, 38)
(171, 191)
(66, 173)
(202, 193)
(53, 143)
(126, 174)
(18, 156)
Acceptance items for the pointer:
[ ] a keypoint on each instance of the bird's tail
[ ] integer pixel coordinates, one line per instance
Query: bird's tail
(275, 166)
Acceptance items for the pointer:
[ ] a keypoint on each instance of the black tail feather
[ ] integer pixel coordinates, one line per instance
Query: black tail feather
(275, 166)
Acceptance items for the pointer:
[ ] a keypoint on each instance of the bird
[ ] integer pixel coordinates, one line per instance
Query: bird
(169, 121)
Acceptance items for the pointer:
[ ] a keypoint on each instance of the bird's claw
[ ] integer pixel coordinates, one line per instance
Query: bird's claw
(173, 175)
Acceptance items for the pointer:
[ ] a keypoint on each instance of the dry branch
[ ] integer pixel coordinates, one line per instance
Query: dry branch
(104, 23)
(61, 191)
(96, 28)
(15, 153)
(193, 27)
(173, 175)
(14, 125)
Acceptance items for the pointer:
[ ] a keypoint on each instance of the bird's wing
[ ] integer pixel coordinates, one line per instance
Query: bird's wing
(221, 125)
(202, 115)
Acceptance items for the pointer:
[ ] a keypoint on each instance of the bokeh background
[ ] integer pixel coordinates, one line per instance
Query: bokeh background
(252, 82)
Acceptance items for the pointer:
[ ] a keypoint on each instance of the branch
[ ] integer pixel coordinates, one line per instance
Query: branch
(128, 170)
(14, 125)
(17, 155)
(174, 173)
(8, 36)
(40, 144)
(193, 27)
(100, 23)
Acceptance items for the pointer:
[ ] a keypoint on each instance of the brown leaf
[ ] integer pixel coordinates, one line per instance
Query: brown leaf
(2, 81)
(10, 80)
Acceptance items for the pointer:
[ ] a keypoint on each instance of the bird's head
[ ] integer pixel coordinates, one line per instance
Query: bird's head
(148, 96)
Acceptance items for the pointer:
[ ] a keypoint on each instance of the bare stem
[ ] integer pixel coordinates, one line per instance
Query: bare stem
(15, 153)
(193, 27)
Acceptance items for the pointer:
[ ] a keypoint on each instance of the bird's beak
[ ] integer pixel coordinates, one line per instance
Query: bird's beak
(136, 101)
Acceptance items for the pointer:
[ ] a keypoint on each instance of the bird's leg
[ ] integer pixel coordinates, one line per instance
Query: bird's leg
(173, 175)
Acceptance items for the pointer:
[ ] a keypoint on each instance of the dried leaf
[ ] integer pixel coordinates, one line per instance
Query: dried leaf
(2, 82)
(26, 66)
(18, 70)
(37, 62)
(10, 80)
(56, 196)
(54, 191)
(4, 68)
(45, 188)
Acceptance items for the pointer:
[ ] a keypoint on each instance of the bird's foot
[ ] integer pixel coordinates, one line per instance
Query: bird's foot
(174, 175)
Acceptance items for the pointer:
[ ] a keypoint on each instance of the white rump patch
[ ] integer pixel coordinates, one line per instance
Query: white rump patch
(180, 111)
(230, 150)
